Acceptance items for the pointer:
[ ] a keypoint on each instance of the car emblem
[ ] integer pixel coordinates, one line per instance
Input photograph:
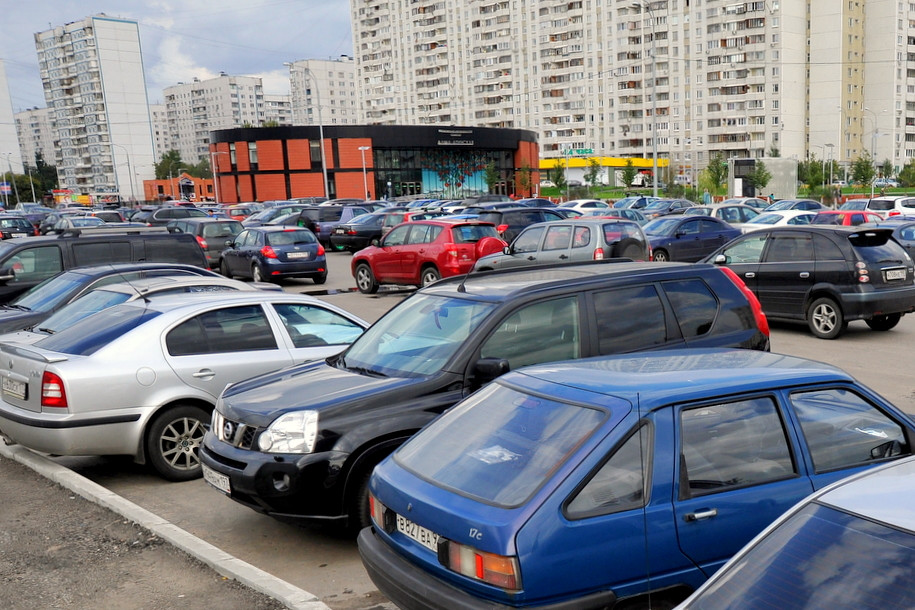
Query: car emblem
(11, 365)
(228, 430)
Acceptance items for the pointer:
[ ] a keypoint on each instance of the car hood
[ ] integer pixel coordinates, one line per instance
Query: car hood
(315, 385)
(15, 319)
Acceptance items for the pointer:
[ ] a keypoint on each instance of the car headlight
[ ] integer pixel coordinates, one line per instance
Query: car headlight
(293, 432)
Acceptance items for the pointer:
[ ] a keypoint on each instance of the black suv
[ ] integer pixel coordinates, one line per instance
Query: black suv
(510, 221)
(301, 443)
(825, 275)
(323, 219)
(26, 261)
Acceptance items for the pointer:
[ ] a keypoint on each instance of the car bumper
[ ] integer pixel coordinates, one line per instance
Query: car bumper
(296, 487)
(412, 588)
(348, 241)
(276, 269)
(105, 433)
(865, 305)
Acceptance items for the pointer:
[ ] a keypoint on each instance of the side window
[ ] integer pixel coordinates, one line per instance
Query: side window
(826, 250)
(616, 309)
(528, 240)
(35, 264)
(310, 326)
(690, 227)
(397, 236)
(581, 237)
(171, 250)
(233, 329)
(542, 332)
(622, 483)
(694, 305)
(844, 430)
(557, 238)
(789, 248)
(101, 252)
(710, 226)
(242, 239)
(732, 444)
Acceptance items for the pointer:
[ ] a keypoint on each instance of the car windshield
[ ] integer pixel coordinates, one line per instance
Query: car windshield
(417, 337)
(827, 219)
(500, 445)
(662, 226)
(660, 204)
(767, 219)
(854, 204)
(83, 307)
(97, 330)
(48, 294)
(820, 557)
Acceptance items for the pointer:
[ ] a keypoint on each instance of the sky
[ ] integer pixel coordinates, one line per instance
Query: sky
(183, 39)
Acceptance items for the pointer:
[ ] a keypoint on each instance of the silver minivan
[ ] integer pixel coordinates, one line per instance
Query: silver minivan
(571, 241)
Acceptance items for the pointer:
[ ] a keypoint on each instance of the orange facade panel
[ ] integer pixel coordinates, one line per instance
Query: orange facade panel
(299, 154)
(245, 190)
(242, 161)
(270, 186)
(350, 155)
(270, 155)
(306, 185)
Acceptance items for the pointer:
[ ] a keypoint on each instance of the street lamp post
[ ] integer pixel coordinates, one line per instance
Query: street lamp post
(314, 82)
(213, 155)
(654, 98)
(12, 177)
(874, 133)
(365, 181)
(129, 171)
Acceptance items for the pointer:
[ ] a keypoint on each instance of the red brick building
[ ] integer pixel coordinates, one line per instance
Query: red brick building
(372, 162)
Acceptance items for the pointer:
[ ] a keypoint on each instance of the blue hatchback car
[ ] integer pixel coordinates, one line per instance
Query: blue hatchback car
(687, 238)
(270, 253)
(619, 481)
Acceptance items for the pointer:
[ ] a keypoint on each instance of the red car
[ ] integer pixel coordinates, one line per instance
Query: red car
(423, 251)
(845, 217)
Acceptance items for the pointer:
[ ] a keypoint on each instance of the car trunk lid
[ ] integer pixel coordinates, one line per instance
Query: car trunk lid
(22, 373)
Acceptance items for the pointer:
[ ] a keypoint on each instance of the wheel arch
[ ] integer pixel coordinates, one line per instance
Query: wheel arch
(818, 291)
(186, 401)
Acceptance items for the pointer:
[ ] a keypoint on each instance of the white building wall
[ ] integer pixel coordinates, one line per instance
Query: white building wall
(328, 81)
(33, 127)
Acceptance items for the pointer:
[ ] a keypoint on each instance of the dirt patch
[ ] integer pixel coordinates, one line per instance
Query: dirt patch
(58, 550)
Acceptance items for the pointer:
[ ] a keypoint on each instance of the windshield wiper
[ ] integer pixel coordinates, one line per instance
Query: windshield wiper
(19, 307)
(45, 329)
(365, 371)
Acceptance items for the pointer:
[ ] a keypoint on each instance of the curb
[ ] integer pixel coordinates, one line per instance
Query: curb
(225, 564)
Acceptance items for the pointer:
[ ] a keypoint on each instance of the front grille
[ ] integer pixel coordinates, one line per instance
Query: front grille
(232, 432)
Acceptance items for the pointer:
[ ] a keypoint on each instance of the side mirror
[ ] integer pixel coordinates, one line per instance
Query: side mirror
(487, 369)
(721, 259)
(7, 274)
(507, 250)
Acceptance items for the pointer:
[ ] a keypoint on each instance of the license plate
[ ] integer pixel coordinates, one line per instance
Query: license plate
(216, 479)
(339, 231)
(418, 533)
(11, 387)
(895, 274)
(297, 255)
(20, 234)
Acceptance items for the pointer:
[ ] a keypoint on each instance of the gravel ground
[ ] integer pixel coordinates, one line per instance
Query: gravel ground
(58, 550)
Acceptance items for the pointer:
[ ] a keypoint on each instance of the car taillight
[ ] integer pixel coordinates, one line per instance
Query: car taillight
(320, 250)
(202, 242)
(268, 252)
(598, 254)
(450, 250)
(52, 391)
(502, 229)
(761, 321)
(497, 570)
(862, 272)
(381, 516)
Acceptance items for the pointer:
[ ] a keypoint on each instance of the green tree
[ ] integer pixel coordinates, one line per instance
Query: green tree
(558, 175)
(715, 173)
(760, 176)
(169, 165)
(774, 152)
(45, 175)
(907, 174)
(863, 171)
(490, 176)
(886, 168)
(523, 177)
(629, 173)
(592, 175)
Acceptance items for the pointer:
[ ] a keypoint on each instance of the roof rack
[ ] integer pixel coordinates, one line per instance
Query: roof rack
(136, 230)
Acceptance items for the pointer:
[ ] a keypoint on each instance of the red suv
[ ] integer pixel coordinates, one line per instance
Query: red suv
(845, 217)
(424, 251)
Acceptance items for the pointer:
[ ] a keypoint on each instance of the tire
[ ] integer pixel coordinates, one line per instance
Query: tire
(320, 279)
(365, 279)
(173, 442)
(359, 517)
(634, 252)
(661, 256)
(825, 319)
(885, 322)
(429, 275)
(224, 269)
(256, 274)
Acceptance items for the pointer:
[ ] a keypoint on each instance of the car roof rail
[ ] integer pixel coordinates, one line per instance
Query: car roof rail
(541, 267)
(78, 231)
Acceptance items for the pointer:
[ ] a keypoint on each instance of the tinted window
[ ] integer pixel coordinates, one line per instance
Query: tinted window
(843, 430)
(876, 250)
(620, 484)
(542, 332)
(731, 445)
(51, 292)
(233, 329)
(288, 238)
(225, 230)
(790, 248)
(101, 252)
(826, 250)
(471, 234)
(97, 331)
(173, 251)
(694, 305)
(617, 309)
(499, 445)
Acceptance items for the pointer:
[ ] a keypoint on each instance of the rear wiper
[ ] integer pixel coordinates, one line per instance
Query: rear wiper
(366, 371)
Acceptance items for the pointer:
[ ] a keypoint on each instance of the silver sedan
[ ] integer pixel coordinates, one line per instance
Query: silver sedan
(141, 378)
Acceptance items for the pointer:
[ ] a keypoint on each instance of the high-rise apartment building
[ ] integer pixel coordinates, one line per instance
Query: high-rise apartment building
(684, 80)
(196, 108)
(324, 90)
(278, 109)
(158, 115)
(94, 85)
(36, 135)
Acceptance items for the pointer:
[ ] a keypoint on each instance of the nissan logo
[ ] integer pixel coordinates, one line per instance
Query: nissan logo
(228, 430)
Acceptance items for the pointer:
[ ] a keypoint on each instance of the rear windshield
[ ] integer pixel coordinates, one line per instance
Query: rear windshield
(288, 238)
(820, 558)
(97, 331)
(471, 234)
(222, 229)
(881, 205)
(500, 445)
(877, 247)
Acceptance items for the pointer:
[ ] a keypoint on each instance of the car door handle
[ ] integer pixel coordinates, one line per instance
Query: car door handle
(531, 258)
(204, 374)
(563, 257)
(750, 275)
(700, 515)
(804, 274)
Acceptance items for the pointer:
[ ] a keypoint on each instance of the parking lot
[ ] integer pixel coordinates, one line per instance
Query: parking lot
(325, 562)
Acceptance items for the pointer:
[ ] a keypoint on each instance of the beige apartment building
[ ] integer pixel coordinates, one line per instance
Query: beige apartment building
(680, 79)
(323, 90)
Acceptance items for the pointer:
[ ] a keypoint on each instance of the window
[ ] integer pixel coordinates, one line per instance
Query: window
(541, 332)
(528, 241)
(397, 236)
(423, 234)
(745, 251)
(35, 264)
(844, 430)
(310, 326)
(622, 483)
(557, 237)
(233, 329)
(731, 445)
(102, 252)
(789, 249)
(694, 305)
(616, 310)
(582, 237)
